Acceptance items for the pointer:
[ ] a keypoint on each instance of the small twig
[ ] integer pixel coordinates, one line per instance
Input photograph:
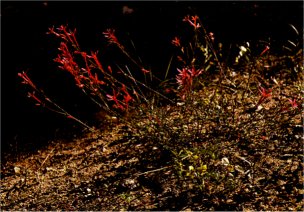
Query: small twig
(151, 171)
(46, 158)
(243, 159)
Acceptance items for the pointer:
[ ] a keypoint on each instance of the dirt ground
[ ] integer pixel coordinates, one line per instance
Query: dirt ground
(117, 169)
(114, 170)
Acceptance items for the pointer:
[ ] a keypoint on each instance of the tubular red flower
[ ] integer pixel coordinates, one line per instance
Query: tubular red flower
(52, 31)
(74, 37)
(26, 79)
(264, 95)
(127, 96)
(192, 21)
(113, 97)
(110, 35)
(127, 99)
(145, 71)
(194, 72)
(293, 103)
(211, 36)
(32, 95)
(110, 69)
(66, 60)
(265, 50)
(94, 56)
(176, 42)
(183, 77)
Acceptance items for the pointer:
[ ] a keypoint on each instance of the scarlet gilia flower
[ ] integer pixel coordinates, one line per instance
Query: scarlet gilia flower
(109, 34)
(264, 95)
(193, 21)
(26, 79)
(94, 78)
(135, 93)
(183, 78)
(179, 58)
(68, 36)
(33, 96)
(70, 117)
(176, 42)
(265, 50)
(186, 76)
(52, 31)
(145, 71)
(94, 56)
(67, 63)
(194, 72)
(98, 81)
(127, 99)
(211, 36)
(87, 69)
(127, 96)
(114, 98)
(293, 103)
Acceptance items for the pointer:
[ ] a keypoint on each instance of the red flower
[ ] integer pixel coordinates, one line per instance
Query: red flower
(115, 99)
(97, 81)
(186, 76)
(211, 36)
(194, 73)
(193, 21)
(127, 96)
(65, 35)
(293, 103)
(127, 99)
(183, 78)
(109, 34)
(145, 71)
(51, 31)
(32, 95)
(265, 50)
(66, 59)
(27, 80)
(176, 42)
(110, 69)
(180, 59)
(94, 56)
(265, 94)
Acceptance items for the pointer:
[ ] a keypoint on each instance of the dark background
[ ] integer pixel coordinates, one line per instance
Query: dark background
(151, 26)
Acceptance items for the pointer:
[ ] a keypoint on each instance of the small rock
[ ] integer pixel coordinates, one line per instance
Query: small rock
(17, 170)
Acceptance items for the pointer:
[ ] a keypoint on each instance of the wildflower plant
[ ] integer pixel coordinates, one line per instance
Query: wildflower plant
(114, 89)
(218, 107)
(215, 115)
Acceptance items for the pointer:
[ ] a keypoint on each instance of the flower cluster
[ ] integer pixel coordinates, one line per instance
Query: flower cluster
(185, 79)
(64, 34)
(193, 21)
(110, 35)
(265, 94)
(27, 80)
(91, 76)
(176, 42)
(124, 104)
